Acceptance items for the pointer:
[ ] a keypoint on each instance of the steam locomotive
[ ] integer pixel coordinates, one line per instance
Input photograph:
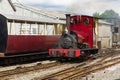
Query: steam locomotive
(79, 41)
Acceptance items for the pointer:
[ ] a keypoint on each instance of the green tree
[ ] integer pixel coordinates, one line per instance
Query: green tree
(96, 14)
(106, 14)
(109, 14)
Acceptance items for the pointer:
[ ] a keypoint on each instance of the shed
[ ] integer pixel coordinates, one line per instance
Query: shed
(104, 34)
(20, 15)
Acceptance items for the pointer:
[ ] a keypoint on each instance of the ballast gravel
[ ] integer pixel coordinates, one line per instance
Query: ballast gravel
(111, 73)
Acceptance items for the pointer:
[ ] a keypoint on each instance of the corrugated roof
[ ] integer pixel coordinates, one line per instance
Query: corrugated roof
(104, 22)
(31, 19)
(43, 11)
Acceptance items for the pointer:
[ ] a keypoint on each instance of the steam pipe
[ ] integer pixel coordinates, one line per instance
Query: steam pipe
(68, 22)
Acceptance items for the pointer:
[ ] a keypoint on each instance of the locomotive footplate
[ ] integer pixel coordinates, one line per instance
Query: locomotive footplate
(72, 53)
(89, 51)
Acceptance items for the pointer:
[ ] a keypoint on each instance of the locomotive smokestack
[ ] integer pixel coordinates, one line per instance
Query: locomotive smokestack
(68, 22)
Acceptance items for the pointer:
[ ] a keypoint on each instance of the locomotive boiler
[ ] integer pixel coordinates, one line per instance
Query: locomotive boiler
(79, 41)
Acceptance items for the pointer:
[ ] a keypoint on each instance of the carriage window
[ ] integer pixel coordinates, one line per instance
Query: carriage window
(9, 27)
(17, 28)
(60, 29)
(41, 29)
(12, 30)
(25, 29)
(34, 29)
(50, 29)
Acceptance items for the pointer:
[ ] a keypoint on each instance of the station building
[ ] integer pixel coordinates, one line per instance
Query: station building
(105, 35)
(24, 20)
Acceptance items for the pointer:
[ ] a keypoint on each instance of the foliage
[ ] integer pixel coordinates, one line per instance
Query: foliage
(106, 14)
(96, 14)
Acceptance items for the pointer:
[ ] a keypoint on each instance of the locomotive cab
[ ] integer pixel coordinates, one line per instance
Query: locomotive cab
(79, 40)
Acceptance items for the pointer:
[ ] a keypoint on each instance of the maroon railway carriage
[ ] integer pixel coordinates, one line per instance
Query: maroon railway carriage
(80, 39)
(16, 45)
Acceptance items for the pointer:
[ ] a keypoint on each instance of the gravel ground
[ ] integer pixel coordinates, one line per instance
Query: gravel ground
(111, 73)
(39, 73)
(24, 65)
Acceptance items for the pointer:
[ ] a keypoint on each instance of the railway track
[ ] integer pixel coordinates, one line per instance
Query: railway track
(74, 73)
(20, 70)
(92, 68)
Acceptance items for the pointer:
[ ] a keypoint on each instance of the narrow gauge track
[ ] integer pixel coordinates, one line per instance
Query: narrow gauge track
(77, 72)
(94, 68)
(19, 70)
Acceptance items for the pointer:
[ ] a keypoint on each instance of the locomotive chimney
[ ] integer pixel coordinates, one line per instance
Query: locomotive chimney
(68, 22)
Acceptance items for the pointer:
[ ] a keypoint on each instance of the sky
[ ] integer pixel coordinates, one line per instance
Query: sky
(87, 7)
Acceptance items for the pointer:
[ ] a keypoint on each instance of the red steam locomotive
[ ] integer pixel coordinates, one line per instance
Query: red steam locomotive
(80, 39)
